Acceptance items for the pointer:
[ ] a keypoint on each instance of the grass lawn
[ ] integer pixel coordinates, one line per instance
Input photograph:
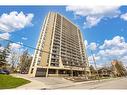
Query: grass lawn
(8, 81)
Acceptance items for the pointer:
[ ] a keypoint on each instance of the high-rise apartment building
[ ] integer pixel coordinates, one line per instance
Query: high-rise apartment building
(60, 49)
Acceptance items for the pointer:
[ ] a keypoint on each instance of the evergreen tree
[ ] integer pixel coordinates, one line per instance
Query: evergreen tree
(3, 55)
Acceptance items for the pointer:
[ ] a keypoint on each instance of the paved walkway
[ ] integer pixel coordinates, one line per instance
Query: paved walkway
(34, 84)
(120, 83)
(53, 82)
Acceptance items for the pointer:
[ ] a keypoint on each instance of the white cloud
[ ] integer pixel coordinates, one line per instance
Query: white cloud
(15, 45)
(15, 21)
(124, 16)
(96, 58)
(116, 42)
(86, 43)
(24, 38)
(1, 48)
(116, 48)
(112, 52)
(4, 36)
(94, 14)
(124, 60)
(92, 46)
(91, 21)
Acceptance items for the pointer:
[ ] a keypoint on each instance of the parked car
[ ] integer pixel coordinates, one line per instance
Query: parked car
(24, 72)
(4, 71)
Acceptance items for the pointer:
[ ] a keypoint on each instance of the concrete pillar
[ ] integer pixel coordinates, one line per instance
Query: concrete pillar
(47, 71)
(57, 72)
(34, 72)
(71, 73)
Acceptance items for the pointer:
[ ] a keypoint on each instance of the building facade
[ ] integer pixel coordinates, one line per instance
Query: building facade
(60, 49)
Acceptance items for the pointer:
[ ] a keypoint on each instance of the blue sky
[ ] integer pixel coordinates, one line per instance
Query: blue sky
(104, 28)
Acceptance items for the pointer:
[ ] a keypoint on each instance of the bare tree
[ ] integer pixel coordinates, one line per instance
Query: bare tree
(13, 58)
(92, 69)
(118, 68)
(25, 61)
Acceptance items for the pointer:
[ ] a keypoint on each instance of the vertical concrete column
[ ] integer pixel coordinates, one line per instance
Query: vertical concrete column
(34, 72)
(47, 71)
(53, 24)
(71, 73)
(57, 72)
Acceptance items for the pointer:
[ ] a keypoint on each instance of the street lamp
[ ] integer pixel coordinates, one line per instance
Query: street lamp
(95, 65)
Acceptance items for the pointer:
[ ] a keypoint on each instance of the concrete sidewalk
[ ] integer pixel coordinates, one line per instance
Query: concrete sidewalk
(52, 82)
(33, 85)
(80, 83)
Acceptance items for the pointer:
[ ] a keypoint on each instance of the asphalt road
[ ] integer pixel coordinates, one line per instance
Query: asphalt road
(120, 83)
